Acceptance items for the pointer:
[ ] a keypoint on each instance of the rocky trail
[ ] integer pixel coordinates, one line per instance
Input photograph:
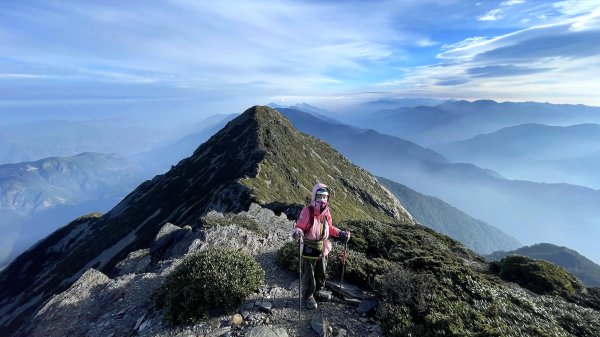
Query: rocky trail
(97, 305)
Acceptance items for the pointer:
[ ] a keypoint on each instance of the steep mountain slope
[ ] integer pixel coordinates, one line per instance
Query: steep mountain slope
(257, 157)
(446, 219)
(528, 211)
(28, 229)
(10, 225)
(587, 271)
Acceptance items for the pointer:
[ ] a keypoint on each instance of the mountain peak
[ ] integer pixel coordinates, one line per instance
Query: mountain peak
(260, 114)
(258, 157)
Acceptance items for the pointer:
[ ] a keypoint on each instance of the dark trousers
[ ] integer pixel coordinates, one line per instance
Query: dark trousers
(313, 275)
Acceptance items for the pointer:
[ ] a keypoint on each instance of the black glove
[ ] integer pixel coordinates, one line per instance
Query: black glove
(297, 234)
(344, 236)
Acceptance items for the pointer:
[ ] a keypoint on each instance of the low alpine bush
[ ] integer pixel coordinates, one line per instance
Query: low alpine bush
(289, 255)
(539, 276)
(208, 283)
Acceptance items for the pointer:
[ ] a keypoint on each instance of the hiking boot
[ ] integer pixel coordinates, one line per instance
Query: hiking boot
(324, 295)
(311, 303)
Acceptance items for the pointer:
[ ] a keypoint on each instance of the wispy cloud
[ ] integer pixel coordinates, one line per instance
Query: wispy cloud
(201, 43)
(296, 49)
(556, 61)
(512, 2)
(493, 15)
(503, 70)
(497, 13)
(426, 42)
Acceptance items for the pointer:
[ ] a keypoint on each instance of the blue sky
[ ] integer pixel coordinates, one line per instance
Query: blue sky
(241, 53)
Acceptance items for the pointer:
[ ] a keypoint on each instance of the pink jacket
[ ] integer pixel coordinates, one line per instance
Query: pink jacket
(311, 227)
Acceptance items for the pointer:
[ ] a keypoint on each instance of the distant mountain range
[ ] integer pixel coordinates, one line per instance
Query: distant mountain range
(587, 271)
(528, 211)
(534, 152)
(161, 158)
(525, 142)
(364, 143)
(38, 197)
(31, 141)
(43, 184)
(313, 110)
(581, 170)
(369, 107)
(448, 220)
(460, 120)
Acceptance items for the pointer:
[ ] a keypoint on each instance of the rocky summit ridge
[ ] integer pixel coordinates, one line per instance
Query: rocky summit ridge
(256, 158)
(97, 276)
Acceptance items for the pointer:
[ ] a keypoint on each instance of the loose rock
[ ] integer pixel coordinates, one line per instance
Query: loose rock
(265, 331)
(319, 324)
(237, 319)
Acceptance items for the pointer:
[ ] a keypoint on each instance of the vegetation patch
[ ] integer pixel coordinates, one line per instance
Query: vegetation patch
(405, 288)
(293, 162)
(213, 219)
(581, 267)
(288, 256)
(539, 276)
(431, 285)
(207, 284)
(358, 270)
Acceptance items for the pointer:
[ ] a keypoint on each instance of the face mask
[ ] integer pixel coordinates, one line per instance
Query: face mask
(322, 203)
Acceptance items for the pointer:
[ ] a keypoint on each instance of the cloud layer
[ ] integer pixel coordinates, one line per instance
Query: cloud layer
(510, 50)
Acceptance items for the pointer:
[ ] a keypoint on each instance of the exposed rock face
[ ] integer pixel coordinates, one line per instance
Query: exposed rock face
(96, 305)
(257, 157)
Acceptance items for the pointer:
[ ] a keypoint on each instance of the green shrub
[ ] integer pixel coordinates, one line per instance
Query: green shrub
(209, 283)
(538, 276)
(405, 288)
(288, 255)
(359, 269)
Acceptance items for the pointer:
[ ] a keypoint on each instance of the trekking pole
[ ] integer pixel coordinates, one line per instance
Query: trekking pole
(301, 243)
(343, 258)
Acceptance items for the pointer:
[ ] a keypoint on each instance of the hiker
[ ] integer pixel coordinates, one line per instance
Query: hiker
(315, 226)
